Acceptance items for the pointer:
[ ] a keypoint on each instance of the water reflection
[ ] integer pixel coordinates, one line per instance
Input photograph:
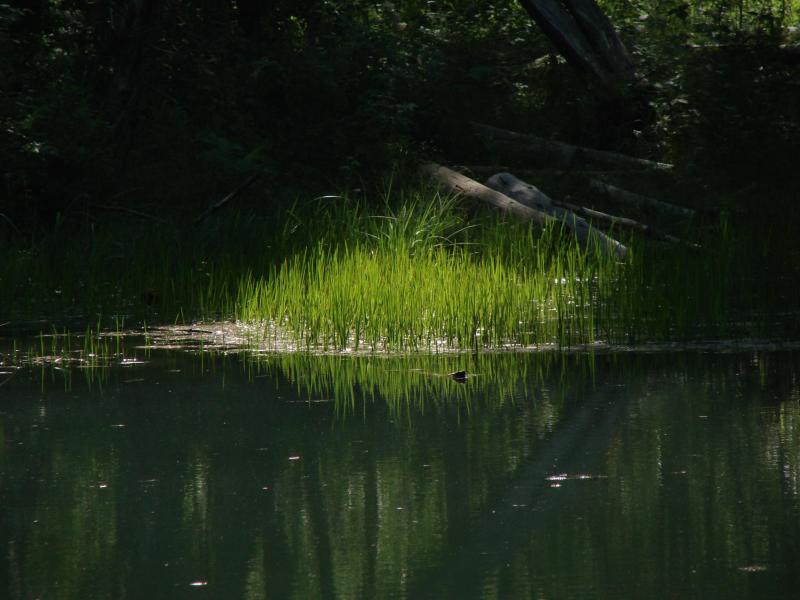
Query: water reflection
(546, 476)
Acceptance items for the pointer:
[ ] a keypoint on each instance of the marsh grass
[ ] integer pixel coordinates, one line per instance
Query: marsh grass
(417, 271)
(424, 275)
(58, 355)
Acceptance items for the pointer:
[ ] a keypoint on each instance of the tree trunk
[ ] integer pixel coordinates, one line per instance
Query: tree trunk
(582, 33)
(602, 36)
(642, 202)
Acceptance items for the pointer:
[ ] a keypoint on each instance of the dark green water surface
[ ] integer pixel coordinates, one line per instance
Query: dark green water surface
(666, 475)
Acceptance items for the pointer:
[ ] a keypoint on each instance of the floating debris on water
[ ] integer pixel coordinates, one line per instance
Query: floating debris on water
(752, 569)
(576, 476)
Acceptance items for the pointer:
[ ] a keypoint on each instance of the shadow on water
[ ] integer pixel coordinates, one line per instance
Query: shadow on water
(573, 451)
(171, 474)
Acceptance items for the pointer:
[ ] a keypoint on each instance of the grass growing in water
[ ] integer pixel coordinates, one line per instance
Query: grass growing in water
(423, 276)
(419, 272)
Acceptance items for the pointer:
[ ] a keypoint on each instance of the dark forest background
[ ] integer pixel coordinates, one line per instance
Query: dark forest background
(168, 105)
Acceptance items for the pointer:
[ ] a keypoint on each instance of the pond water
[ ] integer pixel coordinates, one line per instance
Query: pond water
(616, 475)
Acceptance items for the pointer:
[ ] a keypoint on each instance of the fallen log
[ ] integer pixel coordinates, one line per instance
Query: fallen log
(519, 190)
(637, 200)
(614, 221)
(544, 172)
(464, 186)
(532, 197)
(573, 182)
(559, 154)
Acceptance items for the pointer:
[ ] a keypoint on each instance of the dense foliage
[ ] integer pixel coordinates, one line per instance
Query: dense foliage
(173, 103)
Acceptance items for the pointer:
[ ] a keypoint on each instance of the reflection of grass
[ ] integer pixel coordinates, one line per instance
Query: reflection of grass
(411, 383)
(421, 383)
(418, 273)
(406, 382)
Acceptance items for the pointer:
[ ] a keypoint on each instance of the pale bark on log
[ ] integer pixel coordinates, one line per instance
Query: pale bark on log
(534, 198)
(559, 154)
(463, 185)
(632, 199)
(585, 233)
(519, 190)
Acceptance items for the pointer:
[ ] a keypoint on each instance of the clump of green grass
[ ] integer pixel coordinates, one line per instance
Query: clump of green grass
(422, 275)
